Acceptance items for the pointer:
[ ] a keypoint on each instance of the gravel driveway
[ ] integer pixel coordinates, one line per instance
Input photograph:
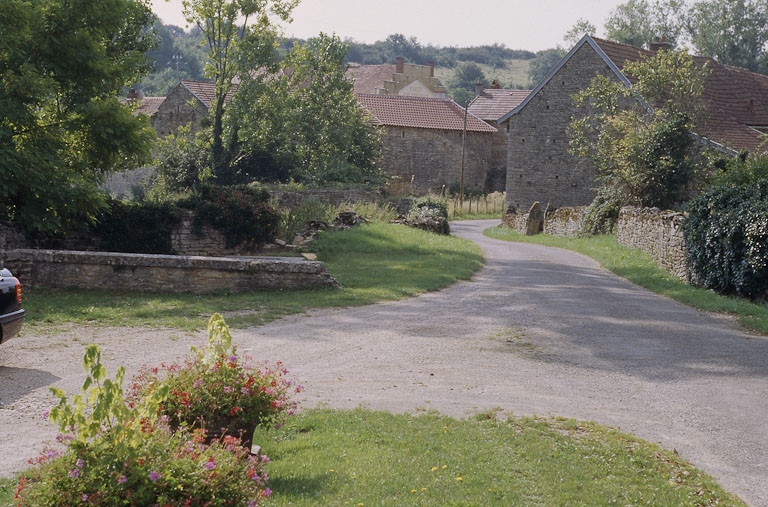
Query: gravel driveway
(537, 331)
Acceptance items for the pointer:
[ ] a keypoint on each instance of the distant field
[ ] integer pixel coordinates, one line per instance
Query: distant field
(513, 75)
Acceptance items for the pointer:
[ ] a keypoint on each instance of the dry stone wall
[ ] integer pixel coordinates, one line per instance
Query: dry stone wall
(657, 233)
(172, 274)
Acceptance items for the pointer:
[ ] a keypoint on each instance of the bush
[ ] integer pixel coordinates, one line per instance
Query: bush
(240, 212)
(218, 391)
(432, 206)
(137, 228)
(293, 220)
(122, 452)
(602, 214)
(727, 236)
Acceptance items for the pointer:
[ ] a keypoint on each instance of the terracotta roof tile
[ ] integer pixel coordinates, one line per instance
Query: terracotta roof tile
(418, 112)
(206, 91)
(736, 98)
(369, 78)
(149, 105)
(494, 103)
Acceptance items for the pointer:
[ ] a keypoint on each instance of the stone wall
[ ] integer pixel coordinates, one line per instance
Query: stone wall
(657, 233)
(432, 158)
(179, 108)
(565, 221)
(163, 273)
(539, 166)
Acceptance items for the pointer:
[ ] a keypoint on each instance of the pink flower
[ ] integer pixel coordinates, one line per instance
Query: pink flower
(210, 464)
(122, 479)
(153, 476)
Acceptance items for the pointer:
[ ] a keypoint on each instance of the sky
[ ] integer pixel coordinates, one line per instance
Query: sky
(518, 24)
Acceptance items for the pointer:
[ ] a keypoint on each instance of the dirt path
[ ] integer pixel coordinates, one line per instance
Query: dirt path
(537, 331)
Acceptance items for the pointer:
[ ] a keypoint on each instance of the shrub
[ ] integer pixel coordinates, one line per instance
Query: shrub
(119, 452)
(220, 392)
(137, 228)
(240, 212)
(431, 206)
(602, 214)
(727, 238)
(293, 220)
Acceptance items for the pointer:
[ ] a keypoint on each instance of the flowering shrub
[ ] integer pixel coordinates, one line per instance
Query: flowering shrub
(217, 390)
(122, 453)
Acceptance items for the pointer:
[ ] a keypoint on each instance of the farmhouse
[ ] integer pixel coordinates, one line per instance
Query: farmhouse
(424, 143)
(539, 166)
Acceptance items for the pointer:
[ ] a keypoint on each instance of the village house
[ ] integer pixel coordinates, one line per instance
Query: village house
(489, 105)
(424, 142)
(539, 165)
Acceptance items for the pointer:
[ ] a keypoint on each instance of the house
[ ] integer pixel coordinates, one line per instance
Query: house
(399, 79)
(539, 165)
(489, 105)
(187, 104)
(423, 142)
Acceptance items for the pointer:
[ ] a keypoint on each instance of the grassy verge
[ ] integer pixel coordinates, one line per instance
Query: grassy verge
(376, 262)
(639, 268)
(360, 457)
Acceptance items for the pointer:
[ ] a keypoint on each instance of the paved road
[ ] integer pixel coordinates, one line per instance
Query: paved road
(537, 331)
(545, 331)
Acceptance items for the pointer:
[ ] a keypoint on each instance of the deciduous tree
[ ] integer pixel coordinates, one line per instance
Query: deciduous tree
(62, 126)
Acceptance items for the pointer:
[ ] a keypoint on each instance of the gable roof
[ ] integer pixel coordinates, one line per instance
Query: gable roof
(493, 103)
(148, 105)
(205, 91)
(736, 99)
(419, 112)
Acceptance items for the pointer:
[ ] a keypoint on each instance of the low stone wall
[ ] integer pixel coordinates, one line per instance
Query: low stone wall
(565, 221)
(657, 233)
(171, 274)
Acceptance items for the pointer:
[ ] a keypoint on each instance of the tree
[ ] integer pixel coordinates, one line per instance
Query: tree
(641, 139)
(62, 126)
(305, 122)
(639, 22)
(733, 32)
(580, 29)
(465, 77)
(236, 31)
(543, 63)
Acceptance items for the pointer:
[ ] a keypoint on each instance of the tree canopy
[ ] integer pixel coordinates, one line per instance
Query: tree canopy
(62, 66)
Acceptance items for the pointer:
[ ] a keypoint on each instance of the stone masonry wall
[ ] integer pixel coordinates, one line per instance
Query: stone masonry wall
(566, 222)
(539, 166)
(163, 273)
(432, 158)
(657, 233)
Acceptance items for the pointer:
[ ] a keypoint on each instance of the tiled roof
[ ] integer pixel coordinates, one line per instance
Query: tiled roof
(206, 91)
(149, 105)
(736, 99)
(494, 103)
(418, 112)
(369, 78)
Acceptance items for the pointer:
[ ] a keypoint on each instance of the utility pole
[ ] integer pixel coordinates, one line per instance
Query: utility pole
(463, 149)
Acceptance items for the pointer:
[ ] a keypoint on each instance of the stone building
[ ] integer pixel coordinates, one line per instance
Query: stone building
(539, 165)
(489, 105)
(187, 104)
(422, 142)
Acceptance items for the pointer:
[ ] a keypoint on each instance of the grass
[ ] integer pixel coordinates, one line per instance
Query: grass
(639, 268)
(361, 457)
(375, 262)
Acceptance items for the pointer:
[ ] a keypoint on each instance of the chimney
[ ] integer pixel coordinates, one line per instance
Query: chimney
(478, 89)
(495, 85)
(431, 66)
(399, 65)
(659, 44)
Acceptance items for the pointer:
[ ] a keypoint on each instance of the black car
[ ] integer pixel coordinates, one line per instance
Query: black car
(11, 314)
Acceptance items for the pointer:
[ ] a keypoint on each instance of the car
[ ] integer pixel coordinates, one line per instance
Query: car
(11, 313)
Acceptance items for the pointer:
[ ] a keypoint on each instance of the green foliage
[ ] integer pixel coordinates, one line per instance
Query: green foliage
(640, 139)
(182, 163)
(240, 212)
(294, 219)
(143, 227)
(602, 213)
(63, 127)
(466, 76)
(431, 205)
(120, 452)
(308, 120)
(640, 22)
(727, 236)
(179, 55)
(543, 64)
